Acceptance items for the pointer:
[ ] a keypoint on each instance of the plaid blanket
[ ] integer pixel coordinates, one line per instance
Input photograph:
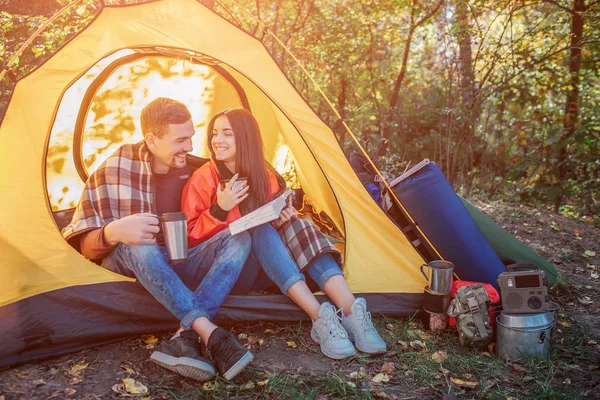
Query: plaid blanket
(305, 242)
(121, 186)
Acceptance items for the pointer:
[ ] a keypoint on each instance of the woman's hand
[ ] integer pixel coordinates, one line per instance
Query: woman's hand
(287, 214)
(232, 194)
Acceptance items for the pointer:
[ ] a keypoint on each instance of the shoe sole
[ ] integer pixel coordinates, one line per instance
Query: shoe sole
(185, 366)
(364, 350)
(238, 366)
(334, 356)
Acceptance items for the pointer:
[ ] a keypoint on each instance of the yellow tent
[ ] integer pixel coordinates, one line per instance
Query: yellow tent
(46, 286)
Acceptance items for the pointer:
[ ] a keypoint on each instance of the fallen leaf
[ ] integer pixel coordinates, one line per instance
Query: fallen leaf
(575, 232)
(381, 378)
(380, 394)
(127, 369)
(518, 368)
(212, 385)
(486, 354)
(260, 341)
(269, 331)
(134, 387)
(594, 275)
(592, 342)
(80, 10)
(585, 300)
(362, 373)
(439, 356)
(565, 324)
(37, 382)
(353, 375)
(262, 383)
(591, 266)
(247, 386)
(402, 343)
(75, 380)
(151, 340)
(587, 287)
(567, 381)
(389, 327)
(418, 345)
(387, 368)
(589, 253)
(489, 383)
(491, 347)
(252, 339)
(76, 369)
(70, 391)
(292, 344)
(351, 384)
(243, 336)
(461, 383)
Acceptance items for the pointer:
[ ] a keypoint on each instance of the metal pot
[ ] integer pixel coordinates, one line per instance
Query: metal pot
(521, 335)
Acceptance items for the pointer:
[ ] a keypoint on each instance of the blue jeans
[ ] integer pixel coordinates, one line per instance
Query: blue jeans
(212, 268)
(270, 252)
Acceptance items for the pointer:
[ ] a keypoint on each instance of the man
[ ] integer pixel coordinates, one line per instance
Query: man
(116, 222)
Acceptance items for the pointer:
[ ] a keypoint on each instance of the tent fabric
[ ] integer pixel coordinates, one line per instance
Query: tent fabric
(47, 288)
(93, 315)
(506, 245)
(436, 208)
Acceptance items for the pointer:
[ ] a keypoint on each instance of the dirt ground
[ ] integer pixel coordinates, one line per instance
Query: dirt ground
(418, 364)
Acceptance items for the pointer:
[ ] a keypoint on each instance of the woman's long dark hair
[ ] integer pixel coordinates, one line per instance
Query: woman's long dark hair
(249, 160)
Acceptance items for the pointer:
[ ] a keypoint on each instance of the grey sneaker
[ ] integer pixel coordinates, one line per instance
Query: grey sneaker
(329, 333)
(361, 330)
(182, 355)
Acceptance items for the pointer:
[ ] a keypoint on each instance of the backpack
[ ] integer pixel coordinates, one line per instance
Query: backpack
(470, 308)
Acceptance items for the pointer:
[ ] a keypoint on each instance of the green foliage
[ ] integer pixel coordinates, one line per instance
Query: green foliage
(502, 135)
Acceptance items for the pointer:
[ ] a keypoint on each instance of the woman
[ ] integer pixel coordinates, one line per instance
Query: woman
(235, 144)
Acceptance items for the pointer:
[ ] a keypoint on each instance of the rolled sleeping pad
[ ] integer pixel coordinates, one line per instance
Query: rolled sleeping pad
(437, 210)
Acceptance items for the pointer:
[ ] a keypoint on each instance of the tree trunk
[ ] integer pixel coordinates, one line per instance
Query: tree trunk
(467, 89)
(570, 121)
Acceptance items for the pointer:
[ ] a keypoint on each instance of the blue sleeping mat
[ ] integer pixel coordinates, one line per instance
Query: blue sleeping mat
(438, 211)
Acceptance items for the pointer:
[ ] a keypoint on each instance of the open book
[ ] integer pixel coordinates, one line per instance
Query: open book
(267, 213)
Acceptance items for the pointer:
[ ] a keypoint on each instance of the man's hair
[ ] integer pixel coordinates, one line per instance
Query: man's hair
(162, 112)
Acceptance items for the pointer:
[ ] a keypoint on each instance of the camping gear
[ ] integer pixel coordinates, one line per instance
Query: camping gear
(522, 335)
(435, 302)
(52, 299)
(494, 307)
(506, 246)
(433, 321)
(435, 207)
(439, 276)
(470, 308)
(174, 226)
(523, 292)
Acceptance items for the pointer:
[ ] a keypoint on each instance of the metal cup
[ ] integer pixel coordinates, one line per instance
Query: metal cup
(174, 227)
(439, 276)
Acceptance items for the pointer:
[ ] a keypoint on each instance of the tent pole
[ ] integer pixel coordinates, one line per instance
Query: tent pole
(289, 52)
(33, 36)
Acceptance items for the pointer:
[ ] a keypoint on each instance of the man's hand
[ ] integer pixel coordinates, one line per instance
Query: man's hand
(286, 215)
(233, 194)
(133, 229)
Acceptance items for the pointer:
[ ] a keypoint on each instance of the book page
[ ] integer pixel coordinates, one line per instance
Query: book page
(267, 213)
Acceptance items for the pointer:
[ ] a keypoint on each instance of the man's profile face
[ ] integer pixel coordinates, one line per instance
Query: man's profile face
(169, 151)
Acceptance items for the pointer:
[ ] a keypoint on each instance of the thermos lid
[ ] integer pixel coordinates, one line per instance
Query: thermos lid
(526, 320)
(173, 216)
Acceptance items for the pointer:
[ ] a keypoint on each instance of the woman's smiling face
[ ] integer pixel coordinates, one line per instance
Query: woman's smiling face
(223, 141)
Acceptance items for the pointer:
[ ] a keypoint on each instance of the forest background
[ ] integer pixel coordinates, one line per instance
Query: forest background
(503, 94)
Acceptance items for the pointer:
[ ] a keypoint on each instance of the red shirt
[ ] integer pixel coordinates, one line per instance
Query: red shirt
(199, 194)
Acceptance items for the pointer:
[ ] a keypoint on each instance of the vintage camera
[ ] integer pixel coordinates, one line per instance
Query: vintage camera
(523, 292)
